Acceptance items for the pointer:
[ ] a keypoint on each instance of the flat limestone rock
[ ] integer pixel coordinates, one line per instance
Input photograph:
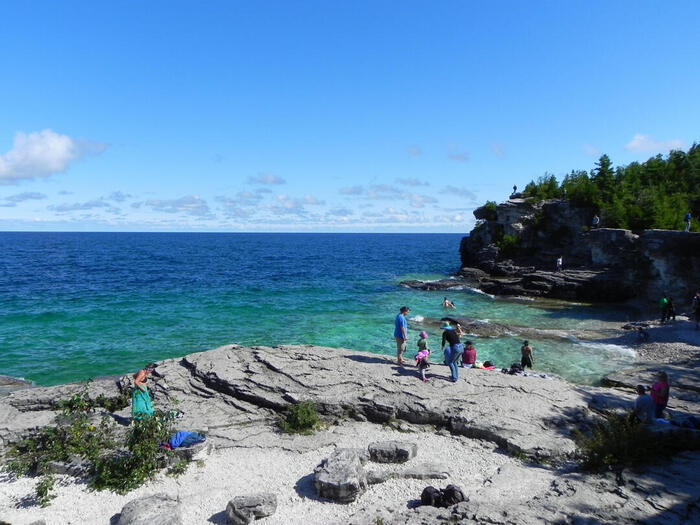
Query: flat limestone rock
(242, 510)
(392, 451)
(341, 477)
(158, 509)
(230, 392)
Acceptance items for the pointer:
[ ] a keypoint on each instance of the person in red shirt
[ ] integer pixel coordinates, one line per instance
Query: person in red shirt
(659, 393)
(469, 355)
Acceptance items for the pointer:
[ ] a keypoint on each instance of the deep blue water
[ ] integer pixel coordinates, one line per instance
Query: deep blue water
(77, 305)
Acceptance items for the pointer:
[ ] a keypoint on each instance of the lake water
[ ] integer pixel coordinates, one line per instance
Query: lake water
(79, 305)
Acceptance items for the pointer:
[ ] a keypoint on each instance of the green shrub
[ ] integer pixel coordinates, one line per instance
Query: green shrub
(301, 418)
(44, 489)
(620, 441)
(508, 245)
(124, 470)
(118, 466)
(490, 211)
(82, 402)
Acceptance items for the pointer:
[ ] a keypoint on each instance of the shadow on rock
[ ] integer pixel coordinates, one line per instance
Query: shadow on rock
(305, 488)
(220, 518)
(367, 359)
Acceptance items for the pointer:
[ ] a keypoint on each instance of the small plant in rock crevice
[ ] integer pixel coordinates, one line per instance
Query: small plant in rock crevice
(301, 418)
(620, 441)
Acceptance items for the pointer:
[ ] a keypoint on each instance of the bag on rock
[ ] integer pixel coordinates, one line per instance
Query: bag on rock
(451, 495)
(431, 496)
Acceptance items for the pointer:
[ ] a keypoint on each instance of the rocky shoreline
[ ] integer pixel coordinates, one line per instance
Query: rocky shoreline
(506, 440)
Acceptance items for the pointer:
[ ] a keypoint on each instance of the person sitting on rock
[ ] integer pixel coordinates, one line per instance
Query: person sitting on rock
(644, 408)
(642, 334)
(423, 355)
(469, 355)
(446, 303)
(595, 222)
(527, 357)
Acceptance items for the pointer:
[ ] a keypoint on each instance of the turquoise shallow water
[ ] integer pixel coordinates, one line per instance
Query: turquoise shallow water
(78, 305)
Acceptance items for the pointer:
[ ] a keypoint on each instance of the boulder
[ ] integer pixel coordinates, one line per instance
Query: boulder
(342, 477)
(193, 452)
(242, 510)
(77, 467)
(158, 509)
(392, 451)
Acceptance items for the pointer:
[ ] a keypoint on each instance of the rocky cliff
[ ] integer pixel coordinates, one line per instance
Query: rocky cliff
(517, 243)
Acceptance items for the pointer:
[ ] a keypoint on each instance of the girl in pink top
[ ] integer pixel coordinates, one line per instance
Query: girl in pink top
(659, 393)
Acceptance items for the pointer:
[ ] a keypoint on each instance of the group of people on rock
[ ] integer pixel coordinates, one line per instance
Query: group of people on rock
(668, 309)
(650, 407)
(456, 354)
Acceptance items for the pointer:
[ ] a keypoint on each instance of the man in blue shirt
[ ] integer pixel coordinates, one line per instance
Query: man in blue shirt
(401, 333)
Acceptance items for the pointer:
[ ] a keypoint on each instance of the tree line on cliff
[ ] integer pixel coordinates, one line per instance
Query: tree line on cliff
(652, 194)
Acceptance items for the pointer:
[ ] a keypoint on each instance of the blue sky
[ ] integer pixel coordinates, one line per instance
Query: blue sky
(328, 115)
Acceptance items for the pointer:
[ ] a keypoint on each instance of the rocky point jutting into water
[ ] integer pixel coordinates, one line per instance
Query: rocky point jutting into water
(514, 247)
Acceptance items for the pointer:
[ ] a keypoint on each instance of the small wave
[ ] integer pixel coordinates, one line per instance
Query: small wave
(607, 347)
(480, 292)
(417, 318)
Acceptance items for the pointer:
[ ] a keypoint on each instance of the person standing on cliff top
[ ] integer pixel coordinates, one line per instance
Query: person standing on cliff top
(560, 263)
(687, 218)
(401, 333)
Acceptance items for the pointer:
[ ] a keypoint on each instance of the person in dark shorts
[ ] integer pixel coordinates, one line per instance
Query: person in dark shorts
(527, 358)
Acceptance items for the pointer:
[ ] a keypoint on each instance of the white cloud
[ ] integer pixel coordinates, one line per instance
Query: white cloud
(312, 201)
(119, 196)
(591, 151)
(414, 151)
(460, 192)
(266, 178)
(419, 201)
(384, 191)
(497, 149)
(83, 206)
(340, 212)
(456, 154)
(412, 182)
(645, 144)
(190, 204)
(42, 154)
(352, 190)
(13, 200)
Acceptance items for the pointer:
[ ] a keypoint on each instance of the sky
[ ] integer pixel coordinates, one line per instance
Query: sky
(326, 116)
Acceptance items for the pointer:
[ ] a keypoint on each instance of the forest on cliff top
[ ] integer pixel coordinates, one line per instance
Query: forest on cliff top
(653, 194)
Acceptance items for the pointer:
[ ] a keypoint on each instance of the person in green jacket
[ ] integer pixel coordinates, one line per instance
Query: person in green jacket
(141, 405)
(664, 306)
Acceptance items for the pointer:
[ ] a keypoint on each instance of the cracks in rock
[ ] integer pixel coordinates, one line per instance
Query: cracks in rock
(277, 370)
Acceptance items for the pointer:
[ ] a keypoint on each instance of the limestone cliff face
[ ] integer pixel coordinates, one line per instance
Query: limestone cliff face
(599, 265)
